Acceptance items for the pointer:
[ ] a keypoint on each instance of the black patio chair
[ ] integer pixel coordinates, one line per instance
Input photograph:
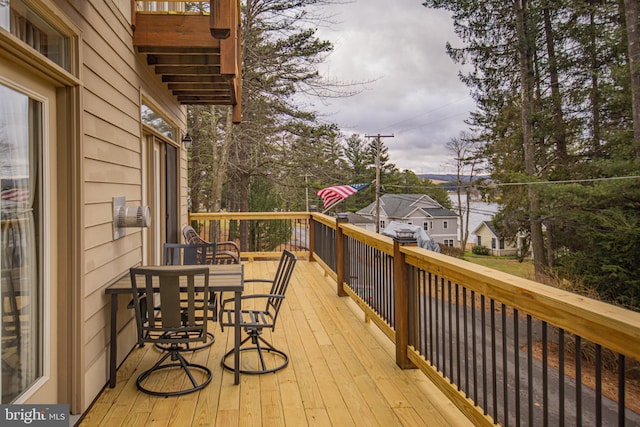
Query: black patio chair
(189, 253)
(253, 321)
(227, 252)
(172, 322)
(192, 254)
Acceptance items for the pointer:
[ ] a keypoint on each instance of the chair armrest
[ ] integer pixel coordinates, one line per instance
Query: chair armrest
(224, 310)
(229, 245)
(226, 257)
(247, 297)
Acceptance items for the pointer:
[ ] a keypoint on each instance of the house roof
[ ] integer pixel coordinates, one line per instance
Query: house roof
(354, 218)
(489, 225)
(403, 205)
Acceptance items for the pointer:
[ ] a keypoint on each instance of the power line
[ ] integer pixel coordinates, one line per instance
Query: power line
(566, 181)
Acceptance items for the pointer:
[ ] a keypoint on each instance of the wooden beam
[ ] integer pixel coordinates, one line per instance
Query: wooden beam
(188, 70)
(193, 79)
(183, 60)
(229, 48)
(221, 18)
(198, 86)
(173, 31)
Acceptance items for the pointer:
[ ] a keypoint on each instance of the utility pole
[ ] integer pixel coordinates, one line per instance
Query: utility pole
(378, 136)
(306, 187)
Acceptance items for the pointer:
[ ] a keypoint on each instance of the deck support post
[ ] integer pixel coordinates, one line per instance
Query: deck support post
(401, 302)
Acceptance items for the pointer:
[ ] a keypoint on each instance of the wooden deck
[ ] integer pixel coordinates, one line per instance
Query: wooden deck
(341, 373)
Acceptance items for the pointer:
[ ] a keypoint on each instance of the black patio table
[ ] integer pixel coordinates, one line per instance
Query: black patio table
(229, 278)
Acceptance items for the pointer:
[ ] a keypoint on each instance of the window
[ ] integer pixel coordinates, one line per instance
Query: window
(382, 223)
(22, 240)
(493, 243)
(448, 242)
(156, 121)
(425, 226)
(445, 224)
(479, 241)
(28, 26)
(501, 243)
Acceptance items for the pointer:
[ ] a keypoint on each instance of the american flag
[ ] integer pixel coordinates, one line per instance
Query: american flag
(331, 195)
(17, 195)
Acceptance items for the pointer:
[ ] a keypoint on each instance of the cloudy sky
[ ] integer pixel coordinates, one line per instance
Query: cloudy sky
(412, 90)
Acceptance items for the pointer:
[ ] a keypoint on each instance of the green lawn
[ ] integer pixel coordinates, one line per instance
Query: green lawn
(506, 264)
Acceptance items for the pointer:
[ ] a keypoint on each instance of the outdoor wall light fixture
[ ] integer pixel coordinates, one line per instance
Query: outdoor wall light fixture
(187, 141)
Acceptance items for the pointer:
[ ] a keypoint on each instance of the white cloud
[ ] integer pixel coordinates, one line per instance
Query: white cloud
(413, 92)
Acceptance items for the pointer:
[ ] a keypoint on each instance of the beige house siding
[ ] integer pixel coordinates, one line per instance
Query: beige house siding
(486, 236)
(103, 113)
(114, 79)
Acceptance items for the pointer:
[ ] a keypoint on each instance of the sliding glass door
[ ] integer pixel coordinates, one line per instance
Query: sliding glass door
(21, 243)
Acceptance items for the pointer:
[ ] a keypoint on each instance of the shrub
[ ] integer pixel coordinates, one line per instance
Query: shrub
(451, 250)
(480, 250)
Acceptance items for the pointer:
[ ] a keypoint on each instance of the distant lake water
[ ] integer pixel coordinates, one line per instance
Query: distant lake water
(479, 212)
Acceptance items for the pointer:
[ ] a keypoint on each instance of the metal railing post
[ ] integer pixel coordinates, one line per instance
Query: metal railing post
(311, 227)
(340, 254)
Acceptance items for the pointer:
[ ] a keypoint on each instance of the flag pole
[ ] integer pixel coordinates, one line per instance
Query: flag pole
(332, 205)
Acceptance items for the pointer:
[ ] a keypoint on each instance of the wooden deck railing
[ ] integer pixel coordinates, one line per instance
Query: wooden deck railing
(505, 350)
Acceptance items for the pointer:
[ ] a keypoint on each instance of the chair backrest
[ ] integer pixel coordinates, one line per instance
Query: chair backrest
(189, 254)
(227, 252)
(191, 236)
(281, 283)
(173, 314)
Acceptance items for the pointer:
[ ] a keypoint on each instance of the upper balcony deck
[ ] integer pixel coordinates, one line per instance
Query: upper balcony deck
(195, 47)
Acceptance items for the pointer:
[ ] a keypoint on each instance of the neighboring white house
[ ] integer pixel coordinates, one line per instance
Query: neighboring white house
(487, 236)
(416, 209)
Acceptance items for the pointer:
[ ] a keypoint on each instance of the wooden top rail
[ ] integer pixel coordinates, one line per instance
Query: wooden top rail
(247, 215)
(613, 327)
(327, 220)
(382, 243)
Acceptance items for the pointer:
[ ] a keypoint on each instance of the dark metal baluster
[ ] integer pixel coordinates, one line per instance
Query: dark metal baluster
(389, 283)
(621, 391)
(458, 381)
(466, 341)
(443, 359)
(474, 354)
(484, 354)
(505, 371)
(431, 300)
(412, 324)
(561, 376)
(423, 313)
(530, 367)
(598, 385)
(578, 380)
(516, 363)
(437, 323)
(450, 315)
(545, 385)
(494, 374)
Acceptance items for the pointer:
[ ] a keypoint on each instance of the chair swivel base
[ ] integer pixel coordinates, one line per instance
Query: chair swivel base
(187, 347)
(185, 366)
(259, 349)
